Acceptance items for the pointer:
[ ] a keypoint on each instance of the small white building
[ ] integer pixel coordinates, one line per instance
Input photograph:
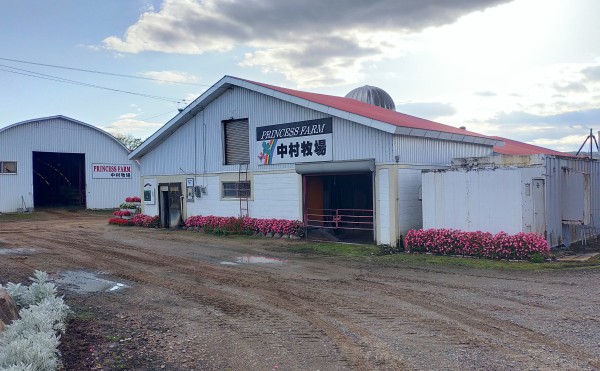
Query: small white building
(555, 195)
(248, 148)
(61, 162)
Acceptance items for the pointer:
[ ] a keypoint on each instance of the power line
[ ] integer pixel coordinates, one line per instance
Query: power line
(38, 75)
(100, 72)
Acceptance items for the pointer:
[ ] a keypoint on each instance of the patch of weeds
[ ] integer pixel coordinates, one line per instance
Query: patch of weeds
(536, 257)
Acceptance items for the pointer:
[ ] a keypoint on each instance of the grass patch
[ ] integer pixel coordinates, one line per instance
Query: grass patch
(18, 217)
(355, 250)
(334, 249)
(423, 259)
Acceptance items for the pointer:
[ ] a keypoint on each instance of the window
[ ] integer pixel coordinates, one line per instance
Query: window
(236, 189)
(237, 143)
(8, 167)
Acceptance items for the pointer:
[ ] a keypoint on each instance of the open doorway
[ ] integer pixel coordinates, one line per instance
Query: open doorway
(339, 207)
(169, 201)
(59, 180)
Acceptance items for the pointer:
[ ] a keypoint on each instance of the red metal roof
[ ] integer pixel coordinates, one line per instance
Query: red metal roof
(370, 111)
(513, 147)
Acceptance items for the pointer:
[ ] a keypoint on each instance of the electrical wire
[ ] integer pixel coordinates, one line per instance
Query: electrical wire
(23, 72)
(100, 72)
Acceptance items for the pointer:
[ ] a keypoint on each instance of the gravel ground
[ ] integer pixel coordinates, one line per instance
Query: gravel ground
(194, 301)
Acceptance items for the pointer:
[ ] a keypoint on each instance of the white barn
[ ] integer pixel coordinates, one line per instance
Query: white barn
(247, 148)
(61, 162)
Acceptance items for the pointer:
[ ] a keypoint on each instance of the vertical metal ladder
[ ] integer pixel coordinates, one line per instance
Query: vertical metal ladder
(243, 189)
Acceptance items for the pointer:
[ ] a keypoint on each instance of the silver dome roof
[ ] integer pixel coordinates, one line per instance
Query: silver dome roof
(372, 95)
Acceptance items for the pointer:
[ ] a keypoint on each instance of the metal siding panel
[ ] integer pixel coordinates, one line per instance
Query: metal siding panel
(413, 150)
(354, 141)
(351, 140)
(61, 135)
(173, 154)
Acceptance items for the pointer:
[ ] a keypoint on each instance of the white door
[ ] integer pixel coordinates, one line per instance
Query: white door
(539, 206)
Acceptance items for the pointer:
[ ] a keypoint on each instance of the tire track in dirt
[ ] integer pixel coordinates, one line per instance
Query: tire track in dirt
(509, 332)
(351, 347)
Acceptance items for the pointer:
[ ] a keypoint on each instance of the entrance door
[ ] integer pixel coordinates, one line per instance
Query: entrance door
(539, 206)
(59, 179)
(170, 204)
(340, 205)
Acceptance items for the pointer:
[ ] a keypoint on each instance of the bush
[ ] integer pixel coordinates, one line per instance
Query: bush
(146, 221)
(31, 342)
(520, 246)
(246, 225)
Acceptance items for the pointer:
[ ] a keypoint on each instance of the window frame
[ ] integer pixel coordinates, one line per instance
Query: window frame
(238, 194)
(16, 167)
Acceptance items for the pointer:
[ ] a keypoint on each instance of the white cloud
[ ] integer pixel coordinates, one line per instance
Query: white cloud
(127, 124)
(313, 42)
(170, 76)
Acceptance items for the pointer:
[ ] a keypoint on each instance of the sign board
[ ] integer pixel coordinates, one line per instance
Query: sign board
(111, 171)
(303, 141)
(149, 194)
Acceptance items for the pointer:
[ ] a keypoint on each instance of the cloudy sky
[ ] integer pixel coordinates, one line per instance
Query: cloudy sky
(524, 69)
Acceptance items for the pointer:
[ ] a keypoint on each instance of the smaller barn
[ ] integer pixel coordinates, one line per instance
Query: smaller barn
(553, 194)
(61, 162)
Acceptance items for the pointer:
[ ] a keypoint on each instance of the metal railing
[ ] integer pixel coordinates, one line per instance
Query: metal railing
(356, 219)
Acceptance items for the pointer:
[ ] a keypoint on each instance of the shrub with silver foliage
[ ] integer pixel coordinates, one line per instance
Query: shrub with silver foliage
(34, 293)
(31, 343)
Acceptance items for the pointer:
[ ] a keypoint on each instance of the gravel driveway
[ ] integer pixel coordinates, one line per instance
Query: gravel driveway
(194, 301)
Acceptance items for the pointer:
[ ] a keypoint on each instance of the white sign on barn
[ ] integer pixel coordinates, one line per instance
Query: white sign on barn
(304, 141)
(111, 171)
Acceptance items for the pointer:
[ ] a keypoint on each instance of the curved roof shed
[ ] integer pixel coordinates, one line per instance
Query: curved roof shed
(58, 161)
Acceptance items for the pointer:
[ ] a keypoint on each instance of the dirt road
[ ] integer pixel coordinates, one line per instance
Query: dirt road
(194, 301)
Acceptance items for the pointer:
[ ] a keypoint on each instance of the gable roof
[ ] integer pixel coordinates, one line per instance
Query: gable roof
(61, 117)
(346, 108)
(513, 147)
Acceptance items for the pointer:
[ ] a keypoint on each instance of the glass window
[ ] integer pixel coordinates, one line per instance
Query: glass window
(236, 189)
(8, 167)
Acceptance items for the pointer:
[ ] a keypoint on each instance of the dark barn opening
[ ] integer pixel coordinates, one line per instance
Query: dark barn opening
(339, 207)
(59, 179)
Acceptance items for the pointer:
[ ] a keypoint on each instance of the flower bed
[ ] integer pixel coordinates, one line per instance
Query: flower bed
(233, 225)
(121, 222)
(133, 199)
(146, 221)
(139, 220)
(122, 213)
(521, 246)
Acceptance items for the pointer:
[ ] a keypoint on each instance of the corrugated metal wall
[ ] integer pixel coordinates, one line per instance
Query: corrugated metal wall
(350, 140)
(173, 154)
(413, 150)
(65, 136)
(556, 190)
